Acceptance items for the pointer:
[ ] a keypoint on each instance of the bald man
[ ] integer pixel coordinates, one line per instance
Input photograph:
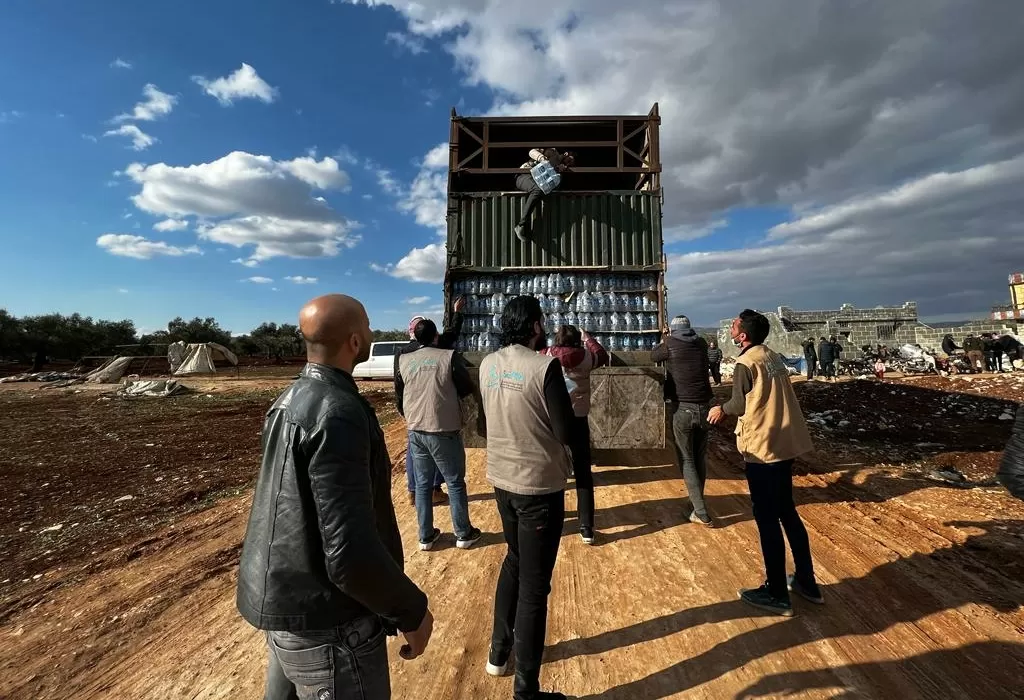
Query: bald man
(321, 566)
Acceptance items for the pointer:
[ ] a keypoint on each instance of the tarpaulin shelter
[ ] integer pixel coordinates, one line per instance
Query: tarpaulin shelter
(197, 358)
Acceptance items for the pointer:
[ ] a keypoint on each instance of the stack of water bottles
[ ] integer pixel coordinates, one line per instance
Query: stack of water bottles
(620, 310)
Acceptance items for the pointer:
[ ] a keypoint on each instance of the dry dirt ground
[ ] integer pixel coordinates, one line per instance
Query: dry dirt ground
(134, 597)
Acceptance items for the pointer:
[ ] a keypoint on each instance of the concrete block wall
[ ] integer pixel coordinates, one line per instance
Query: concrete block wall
(931, 338)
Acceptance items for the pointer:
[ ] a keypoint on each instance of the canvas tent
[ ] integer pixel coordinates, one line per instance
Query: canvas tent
(110, 372)
(197, 358)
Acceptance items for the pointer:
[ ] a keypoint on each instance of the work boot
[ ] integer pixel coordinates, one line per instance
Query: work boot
(810, 593)
(763, 599)
(439, 497)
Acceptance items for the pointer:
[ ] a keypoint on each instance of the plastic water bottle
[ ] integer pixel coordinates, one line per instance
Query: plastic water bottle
(572, 319)
(571, 283)
(496, 323)
(615, 322)
(629, 322)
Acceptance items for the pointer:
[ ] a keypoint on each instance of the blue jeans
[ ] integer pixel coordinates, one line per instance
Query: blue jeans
(410, 474)
(690, 428)
(444, 452)
(349, 662)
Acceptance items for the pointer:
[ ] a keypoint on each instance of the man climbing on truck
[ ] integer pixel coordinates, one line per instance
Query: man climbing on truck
(542, 176)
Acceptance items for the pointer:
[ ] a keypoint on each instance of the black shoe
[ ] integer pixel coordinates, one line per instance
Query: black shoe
(763, 599)
(469, 540)
(587, 534)
(498, 666)
(428, 544)
(540, 695)
(809, 593)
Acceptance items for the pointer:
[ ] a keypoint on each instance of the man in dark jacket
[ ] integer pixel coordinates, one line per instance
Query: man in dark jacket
(948, 345)
(827, 357)
(321, 565)
(975, 349)
(993, 353)
(715, 361)
(1012, 347)
(445, 341)
(1011, 469)
(685, 355)
(810, 357)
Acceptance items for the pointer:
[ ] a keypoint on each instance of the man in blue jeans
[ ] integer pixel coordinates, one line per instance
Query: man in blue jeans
(428, 386)
(446, 341)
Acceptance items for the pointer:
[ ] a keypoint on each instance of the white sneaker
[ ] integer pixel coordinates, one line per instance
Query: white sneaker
(429, 544)
(499, 671)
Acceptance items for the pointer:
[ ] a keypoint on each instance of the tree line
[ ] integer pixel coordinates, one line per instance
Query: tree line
(60, 337)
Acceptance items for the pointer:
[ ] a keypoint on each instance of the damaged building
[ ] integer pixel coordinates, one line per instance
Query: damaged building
(882, 325)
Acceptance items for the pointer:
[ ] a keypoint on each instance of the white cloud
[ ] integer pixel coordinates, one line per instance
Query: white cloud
(129, 246)
(258, 280)
(170, 225)
(90, 137)
(412, 44)
(249, 200)
(247, 262)
(417, 300)
(299, 279)
(348, 273)
(797, 105)
(421, 264)
(127, 215)
(157, 104)
(120, 63)
(10, 116)
(244, 83)
(367, 196)
(122, 290)
(691, 232)
(140, 139)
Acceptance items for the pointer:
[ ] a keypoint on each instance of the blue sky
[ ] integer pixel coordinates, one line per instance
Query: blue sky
(825, 168)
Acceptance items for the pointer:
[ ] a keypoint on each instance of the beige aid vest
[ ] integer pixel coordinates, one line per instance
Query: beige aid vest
(430, 399)
(772, 428)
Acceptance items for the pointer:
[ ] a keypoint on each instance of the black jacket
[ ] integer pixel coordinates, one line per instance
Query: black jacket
(686, 361)
(809, 352)
(948, 346)
(322, 545)
(826, 352)
(1011, 469)
(715, 355)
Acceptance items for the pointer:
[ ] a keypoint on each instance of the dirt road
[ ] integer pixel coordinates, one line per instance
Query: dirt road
(924, 587)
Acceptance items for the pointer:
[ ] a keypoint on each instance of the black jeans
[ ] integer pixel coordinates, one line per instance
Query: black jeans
(690, 429)
(811, 365)
(583, 471)
(771, 492)
(349, 662)
(526, 183)
(533, 531)
(716, 372)
(828, 368)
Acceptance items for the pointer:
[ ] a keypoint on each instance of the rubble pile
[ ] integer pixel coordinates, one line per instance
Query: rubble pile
(958, 425)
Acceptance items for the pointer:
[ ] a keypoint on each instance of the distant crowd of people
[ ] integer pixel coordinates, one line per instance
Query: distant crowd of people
(985, 352)
(823, 358)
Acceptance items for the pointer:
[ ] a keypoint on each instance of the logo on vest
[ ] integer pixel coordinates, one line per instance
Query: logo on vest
(506, 379)
(415, 366)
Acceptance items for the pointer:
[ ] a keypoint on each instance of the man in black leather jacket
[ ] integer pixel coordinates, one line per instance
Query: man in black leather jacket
(321, 566)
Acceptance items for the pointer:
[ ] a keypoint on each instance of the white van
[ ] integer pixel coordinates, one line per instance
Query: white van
(381, 364)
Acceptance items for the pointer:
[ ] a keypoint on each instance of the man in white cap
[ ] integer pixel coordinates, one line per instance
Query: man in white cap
(445, 341)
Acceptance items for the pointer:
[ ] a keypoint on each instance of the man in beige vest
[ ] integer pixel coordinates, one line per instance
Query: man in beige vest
(428, 386)
(529, 419)
(770, 434)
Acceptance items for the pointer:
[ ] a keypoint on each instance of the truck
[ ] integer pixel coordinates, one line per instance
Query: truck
(594, 257)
